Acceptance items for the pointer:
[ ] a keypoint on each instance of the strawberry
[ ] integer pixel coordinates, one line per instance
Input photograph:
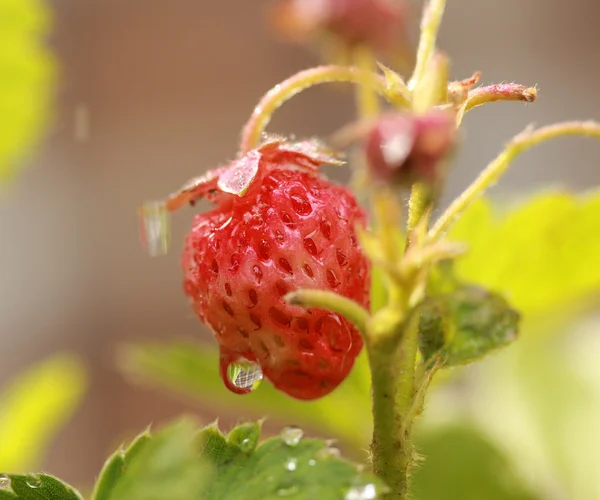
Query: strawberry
(276, 226)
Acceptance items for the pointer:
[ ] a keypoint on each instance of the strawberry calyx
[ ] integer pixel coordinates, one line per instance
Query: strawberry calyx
(240, 175)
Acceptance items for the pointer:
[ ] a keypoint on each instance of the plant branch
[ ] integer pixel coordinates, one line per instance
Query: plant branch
(392, 361)
(500, 92)
(522, 142)
(430, 25)
(366, 97)
(287, 89)
(332, 302)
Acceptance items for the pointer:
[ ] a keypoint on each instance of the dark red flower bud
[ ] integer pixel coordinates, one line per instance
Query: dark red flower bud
(376, 23)
(405, 148)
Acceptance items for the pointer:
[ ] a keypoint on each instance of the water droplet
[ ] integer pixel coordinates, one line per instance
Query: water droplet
(245, 375)
(291, 464)
(288, 492)
(33, 481)
(155, 228)
(329, 452)
(247, 444)
(364, 492)
(292, 435)
(238, 374)
(4, 482)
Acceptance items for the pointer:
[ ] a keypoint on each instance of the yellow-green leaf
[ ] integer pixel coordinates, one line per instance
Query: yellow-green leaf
(26, 78)
(541, 255)
(34, 406)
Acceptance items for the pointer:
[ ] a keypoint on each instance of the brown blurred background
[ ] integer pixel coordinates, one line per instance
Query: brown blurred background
(166, 86)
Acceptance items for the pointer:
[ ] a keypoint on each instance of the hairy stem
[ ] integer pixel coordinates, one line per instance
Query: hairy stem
(430, 25)
(392, 361)
(287, 89)
(366, 96)
(332, 302)
(494, 170)
(500, 92)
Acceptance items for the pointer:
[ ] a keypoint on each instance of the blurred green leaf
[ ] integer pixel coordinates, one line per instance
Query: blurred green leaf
(35, 487)
(541, 255)
(155, 468)
(466, 325)
(191, 369)
(115, 467)
(286, 466)
(34, 406)
(541, 401)
(26, 79)
(460, 463)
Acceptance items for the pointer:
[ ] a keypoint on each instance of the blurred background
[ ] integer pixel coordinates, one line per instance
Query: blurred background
(151, 93)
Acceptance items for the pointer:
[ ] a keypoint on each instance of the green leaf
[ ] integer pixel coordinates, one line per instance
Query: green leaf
(191, 369)
(542, 254)
(116, 465)
(155, 468)
(27, 79)
(35, 487)
(466, 324)
(285, 466)
(460, 463)
(34, 406)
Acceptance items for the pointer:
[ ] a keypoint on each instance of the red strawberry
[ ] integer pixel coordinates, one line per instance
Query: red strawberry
(277, 226)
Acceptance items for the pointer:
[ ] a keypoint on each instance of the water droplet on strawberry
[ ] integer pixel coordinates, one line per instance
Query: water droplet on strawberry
(291, 435)
(240, 376)
(155, 228)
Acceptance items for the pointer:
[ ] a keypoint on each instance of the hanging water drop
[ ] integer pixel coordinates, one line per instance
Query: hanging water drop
(4, 482)
(245, 375)
(292, 435)
(155, 228)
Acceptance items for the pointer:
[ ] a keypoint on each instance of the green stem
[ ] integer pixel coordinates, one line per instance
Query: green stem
(430, 25)
(494, 170)
(331, 301)
(366, 97)
(287, 89)
(392, 361)
(420, 199)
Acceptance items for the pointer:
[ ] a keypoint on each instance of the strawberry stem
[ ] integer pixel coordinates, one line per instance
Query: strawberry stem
(393, 386)
(287, 89)
(500, 92)
(522, 142)
(366, 97)
(430, 25)
(331, 301)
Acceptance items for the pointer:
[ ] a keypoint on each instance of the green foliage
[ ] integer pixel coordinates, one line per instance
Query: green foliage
(189, 369)
(542, 255)
(26, 79)
(462, 463)
(466, 324)
(34, 406)
(285, 466)
(35, 487)
(154, 468)
(183, 463)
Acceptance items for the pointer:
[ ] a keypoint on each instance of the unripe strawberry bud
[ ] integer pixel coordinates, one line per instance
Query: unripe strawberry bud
(403, 148)
(376, 23)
